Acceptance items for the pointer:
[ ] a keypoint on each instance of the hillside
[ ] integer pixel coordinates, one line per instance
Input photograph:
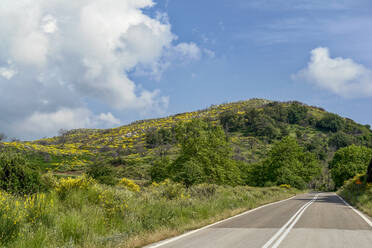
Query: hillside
(252, 127)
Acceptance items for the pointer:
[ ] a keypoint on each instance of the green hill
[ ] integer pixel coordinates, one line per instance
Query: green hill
(252, 127)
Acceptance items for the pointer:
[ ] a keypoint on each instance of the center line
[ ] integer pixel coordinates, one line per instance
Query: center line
(295, 217)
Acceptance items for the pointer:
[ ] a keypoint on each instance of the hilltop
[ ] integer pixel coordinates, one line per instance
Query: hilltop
(252, 127)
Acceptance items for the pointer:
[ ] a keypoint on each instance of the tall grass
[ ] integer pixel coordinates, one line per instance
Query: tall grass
(358, 193)
(87, 214)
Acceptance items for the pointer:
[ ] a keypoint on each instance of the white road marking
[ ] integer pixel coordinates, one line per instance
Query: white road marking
(297, 214)
(369, 222)
(277, 243)
(161, 243)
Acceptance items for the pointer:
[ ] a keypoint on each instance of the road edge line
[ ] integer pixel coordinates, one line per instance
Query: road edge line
(170, 240)
(365, 218)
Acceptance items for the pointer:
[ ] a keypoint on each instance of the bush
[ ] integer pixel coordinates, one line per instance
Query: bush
(66, 185)
(16, 176)
(296, 113)
(340, 140)
(160, 170)
(348, 162)
(10, 218)
(331, 122)
(102, 173)
(129, 184)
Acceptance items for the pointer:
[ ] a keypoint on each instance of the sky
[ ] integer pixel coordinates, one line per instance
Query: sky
(106, 63)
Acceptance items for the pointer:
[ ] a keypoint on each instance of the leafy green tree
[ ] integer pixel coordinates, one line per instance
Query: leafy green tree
(288, 163)
(231, 121)
(205, 155)
(369, 172)
(331, 122)
(157, 137)
(296, 113)
(259, 124)
(340, 140)
(348, 162)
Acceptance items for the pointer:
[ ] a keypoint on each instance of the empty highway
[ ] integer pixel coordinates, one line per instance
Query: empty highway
(306, 221)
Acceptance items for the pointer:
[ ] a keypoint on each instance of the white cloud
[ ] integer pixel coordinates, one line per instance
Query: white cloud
(341, 76)
(211, 54)
(49, 24)
(7, 72)
(63, 118)
(70, 53)
(108, 118)
(188, 51)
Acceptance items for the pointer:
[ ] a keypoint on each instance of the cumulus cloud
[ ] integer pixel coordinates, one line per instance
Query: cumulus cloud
(67, 54)
(63, 118)
(7, 72)
(341, 76)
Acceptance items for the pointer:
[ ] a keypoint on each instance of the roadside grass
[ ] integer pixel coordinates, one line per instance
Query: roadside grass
(358, 193)
(79, 212)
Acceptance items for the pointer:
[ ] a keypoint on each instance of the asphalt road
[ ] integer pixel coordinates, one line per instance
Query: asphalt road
(305, 221)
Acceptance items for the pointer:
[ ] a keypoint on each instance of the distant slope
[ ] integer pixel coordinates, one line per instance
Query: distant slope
(252, 125)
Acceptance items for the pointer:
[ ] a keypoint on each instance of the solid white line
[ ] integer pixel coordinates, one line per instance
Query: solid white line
(277, 243)
(276, 235)
(369, 222)
(167, 241)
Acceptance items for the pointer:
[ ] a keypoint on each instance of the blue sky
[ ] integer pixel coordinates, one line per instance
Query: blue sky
(171, 56)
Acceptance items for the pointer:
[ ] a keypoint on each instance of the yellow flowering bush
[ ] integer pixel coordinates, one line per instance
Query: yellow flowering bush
(10, 217)
(65, 185)
(38, 209)
(285, 186)
(129, 184)
(111, 203)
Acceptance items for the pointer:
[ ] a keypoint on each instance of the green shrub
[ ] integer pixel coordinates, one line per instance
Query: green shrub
(16, 176)
(340, 140)
(331, 122)
(160, 170)
(348, 162)
(102, 173)
(296, 113)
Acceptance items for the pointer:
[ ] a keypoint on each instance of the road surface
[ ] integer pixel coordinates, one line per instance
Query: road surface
(305, 221)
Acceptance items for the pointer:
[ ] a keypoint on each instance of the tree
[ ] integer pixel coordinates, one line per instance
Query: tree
(331, 122)
(340, 140)
(288, 163)
(205, 155)
(231, 121)
(369, 172)
(296, 113)
(348, 162)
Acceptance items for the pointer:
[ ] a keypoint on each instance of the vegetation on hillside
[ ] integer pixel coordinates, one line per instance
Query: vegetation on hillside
(358, 192)
(141, 182)
(80, 212)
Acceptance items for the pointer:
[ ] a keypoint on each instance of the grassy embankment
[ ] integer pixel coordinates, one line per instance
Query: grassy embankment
(81, 213)
(358, 193)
